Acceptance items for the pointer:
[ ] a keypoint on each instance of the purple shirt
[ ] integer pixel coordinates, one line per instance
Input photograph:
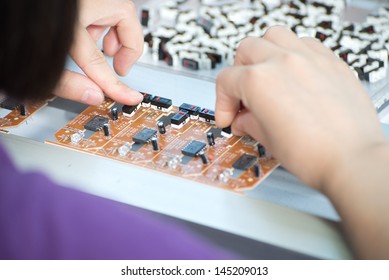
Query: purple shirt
(41, 220)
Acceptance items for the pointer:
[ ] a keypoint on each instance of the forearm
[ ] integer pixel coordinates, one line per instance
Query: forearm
(360, 193)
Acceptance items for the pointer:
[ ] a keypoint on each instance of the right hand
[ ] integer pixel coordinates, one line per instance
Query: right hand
(301, 102)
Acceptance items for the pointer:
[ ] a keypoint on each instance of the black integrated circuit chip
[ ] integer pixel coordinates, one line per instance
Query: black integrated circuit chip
(244, 162)
(207, 115)
(129, 110)
(10, 103)
(161, 102)
(96, 123)
(144, 136)
(193, 148)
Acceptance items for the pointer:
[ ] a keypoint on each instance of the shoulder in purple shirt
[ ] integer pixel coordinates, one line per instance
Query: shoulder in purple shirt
(40, 220)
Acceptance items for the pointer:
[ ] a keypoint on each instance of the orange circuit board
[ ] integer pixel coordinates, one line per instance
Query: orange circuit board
(16, 112)
(181, 141)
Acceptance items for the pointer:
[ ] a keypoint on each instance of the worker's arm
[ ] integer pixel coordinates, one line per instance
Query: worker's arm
(310, 111)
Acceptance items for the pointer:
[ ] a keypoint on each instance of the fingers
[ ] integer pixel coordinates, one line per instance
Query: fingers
(255, 50)
(91, 60)
(78, 87)
(318, 47)
(245, 123)
(111, 42)
(284, 38)
(130, 34)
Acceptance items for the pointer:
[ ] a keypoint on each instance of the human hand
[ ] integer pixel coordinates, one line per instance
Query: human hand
(300, 101)
(124, 41)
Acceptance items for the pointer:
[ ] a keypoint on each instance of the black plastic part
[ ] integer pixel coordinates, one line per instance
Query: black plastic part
(192, 109)
(146, 98)
(10, 103)
(190, 64)
(154, 142)
(227, 130)
(96, 123)
(244, 162)
(161, 127)
(207, 114)
(106, 129)
(204, 157)
(23, 110)
(261, 150)
(144, 18)
(180, 117)
(161, 102)
(144, 136)
(127, 109)
(114, 113)
(193, 148)
(210, 138)
(257, 170)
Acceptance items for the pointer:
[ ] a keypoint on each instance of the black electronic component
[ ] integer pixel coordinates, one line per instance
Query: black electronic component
(154, 142)
(107, 131)
(144, 18)
(204, 157)
(23, 110)
(192, 109)
(210, 138)
(193, 148)
(368, 29)
(257, 170)
(96, 123)
(261, 150)
(179, 119)
(161, 127)
(114, 113)
(9, 103)
(129, 110)
(161, 103)
(244, 162)
(190, 64)
(226, 132)
(205, 24)
(144, 136)
(146, 99)
(321, 36)
(207, 115)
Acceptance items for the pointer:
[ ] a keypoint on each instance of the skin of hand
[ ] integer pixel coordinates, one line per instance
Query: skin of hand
(309, 110)
(123, 41)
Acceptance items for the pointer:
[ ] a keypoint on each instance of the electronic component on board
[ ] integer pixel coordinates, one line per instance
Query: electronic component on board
(226, 132)
(130, 110)
(106, 129)
(23, 110)
(191, 109)
(9, 103)
(261, 150)
(146, 102)
(77, 137)
(257, 170)
(154, 142)
(207, 115)
(96, 123)
(124, 149)
(161, 127)
(244, 162)
(190, 64)
(204, 157)
(179, 119)
(144, 136)
(193, 148)
(161, 103)
(211, 138)
(114, 113)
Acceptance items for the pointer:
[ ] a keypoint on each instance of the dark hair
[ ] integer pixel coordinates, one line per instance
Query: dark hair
(36, 36)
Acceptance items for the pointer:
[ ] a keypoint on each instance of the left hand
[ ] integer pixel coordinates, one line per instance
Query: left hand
(124, 41)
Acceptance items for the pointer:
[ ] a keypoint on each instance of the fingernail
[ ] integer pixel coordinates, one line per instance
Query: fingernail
(92, 97)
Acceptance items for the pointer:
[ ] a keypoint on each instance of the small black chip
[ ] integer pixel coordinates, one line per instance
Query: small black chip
(193, 148)
(144, 136)
(146, 99)
(226, 132)
(161, 102)
(244, 162)
(96, 123)
(190, 64)
(192, 109)
(10, 103)
(129, 111)
(179, 118)
(207, 115)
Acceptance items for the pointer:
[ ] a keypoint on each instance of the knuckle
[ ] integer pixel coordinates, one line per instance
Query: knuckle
(96, 57)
